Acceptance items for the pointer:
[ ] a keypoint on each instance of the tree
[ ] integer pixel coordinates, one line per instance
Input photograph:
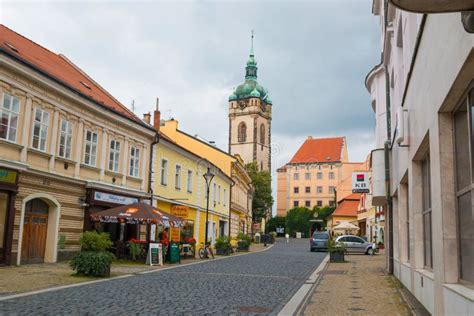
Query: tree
(324, 212)
(298, 220)
(262, 198)
(274, 222)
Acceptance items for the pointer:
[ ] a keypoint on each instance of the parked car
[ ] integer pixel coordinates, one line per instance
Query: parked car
(357, 244)
(319, 241)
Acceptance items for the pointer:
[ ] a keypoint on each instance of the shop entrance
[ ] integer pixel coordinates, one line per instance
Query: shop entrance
(35, 230)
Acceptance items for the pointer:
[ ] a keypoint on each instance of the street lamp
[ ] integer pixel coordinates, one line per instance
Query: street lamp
(208, 176)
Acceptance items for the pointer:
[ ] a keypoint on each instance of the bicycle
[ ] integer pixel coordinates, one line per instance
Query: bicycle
(205, 251)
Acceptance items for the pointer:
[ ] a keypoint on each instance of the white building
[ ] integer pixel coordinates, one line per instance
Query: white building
(423, 99)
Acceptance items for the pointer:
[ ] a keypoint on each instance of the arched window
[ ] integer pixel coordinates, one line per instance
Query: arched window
(262, 134)
(242, 132)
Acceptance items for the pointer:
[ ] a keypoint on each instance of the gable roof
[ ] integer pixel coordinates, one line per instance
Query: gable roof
(319, 150)
(348, 206)
(60, 69)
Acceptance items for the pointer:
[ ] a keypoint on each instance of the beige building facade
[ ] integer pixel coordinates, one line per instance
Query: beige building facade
(422, 96)
(68, 148)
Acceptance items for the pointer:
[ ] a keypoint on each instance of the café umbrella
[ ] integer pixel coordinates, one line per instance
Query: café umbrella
(137, 213)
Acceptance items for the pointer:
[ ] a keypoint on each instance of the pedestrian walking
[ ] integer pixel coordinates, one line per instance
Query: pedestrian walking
(287, 236)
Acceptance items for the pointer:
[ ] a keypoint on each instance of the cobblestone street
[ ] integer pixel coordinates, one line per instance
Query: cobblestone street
(259, 283)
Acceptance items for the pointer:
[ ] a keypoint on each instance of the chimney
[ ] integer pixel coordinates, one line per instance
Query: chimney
(310, 137)
(146, 117)
(157, 116)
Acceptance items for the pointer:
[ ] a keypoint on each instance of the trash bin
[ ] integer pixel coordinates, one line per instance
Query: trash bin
(174, 255)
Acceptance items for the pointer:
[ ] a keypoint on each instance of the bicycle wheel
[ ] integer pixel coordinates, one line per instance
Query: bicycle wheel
(202, 253)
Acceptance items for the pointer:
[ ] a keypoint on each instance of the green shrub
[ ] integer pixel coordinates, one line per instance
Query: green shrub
(244, 239)
(223, 244)
(334, 246)
(93, 241)
(92, 263)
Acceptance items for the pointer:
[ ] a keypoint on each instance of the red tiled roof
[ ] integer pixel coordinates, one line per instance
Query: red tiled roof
(59, 68)
(348, 206)
(319, 150)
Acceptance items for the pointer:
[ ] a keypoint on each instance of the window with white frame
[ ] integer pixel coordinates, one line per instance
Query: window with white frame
(319, 189)
(134, 162)
(319, 175)
(331, 175)
(9, 117)
(332, 189)
(464, 165)
(189, 181)
(426, 214)
(296, 176)
(164, 172)
(65, 139)
(40, 129)
(177, 177)
(90, 157)
(307, 176)
(219, 194)
(224, 198)
(114, 155)
(214, 193)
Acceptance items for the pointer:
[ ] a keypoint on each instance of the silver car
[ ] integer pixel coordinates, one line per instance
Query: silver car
(357, 244)
(319, 241)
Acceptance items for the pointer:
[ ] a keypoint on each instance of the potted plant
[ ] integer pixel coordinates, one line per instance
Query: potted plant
(137, 249)
(223, 246)
(336, 251)
(243, 242)
(93, 259)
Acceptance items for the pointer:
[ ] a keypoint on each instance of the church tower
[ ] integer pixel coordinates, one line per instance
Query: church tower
(250, 115)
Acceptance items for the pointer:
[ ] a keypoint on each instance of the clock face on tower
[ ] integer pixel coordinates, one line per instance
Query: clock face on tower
(242, 104)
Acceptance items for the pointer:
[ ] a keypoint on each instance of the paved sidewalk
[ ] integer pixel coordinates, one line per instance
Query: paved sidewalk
(359, 286)
(31, 277)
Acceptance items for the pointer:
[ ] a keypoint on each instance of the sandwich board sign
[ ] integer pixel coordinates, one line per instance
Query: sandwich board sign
(360, 182)
(155, 254)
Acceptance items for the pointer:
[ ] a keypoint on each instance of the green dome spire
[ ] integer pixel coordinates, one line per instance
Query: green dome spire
(251, 69)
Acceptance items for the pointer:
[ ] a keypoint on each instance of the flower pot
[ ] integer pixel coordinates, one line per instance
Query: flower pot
(222, 251)
(336, 256)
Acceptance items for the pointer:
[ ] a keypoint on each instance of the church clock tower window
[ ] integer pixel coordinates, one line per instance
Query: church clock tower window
(262, 134)
(242, 136)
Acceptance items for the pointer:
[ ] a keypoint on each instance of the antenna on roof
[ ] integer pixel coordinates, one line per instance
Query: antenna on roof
(133, 106)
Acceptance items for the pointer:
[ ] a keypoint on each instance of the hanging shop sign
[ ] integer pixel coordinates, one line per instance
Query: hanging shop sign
(155, 254)
(179, 211)
(114, 198)
(360, 182)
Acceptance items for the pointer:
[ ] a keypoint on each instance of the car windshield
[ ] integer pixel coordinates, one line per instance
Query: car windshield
(320, 236)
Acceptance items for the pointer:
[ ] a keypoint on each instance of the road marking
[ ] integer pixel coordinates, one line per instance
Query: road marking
(67, 286)
(295, 302)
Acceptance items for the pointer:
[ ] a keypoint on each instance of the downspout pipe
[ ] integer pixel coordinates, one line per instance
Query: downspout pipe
(387, 155)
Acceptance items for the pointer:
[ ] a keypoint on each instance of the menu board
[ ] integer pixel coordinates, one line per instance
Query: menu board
(175, 234)
(155, 254)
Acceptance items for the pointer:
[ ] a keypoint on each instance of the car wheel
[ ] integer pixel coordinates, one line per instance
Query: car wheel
(370, 251)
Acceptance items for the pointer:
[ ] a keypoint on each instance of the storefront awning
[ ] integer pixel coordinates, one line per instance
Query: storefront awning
(436, 6)
(137, 213)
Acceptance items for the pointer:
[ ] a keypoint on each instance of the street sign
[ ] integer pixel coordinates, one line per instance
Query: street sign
(155, 254)
(360, 182)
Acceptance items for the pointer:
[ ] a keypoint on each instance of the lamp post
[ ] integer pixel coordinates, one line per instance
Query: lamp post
(208, 176)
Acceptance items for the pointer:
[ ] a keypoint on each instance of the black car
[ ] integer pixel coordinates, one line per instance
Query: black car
(319, 241)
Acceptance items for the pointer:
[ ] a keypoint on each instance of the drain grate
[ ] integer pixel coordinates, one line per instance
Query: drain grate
(254, 309)
(356, 309)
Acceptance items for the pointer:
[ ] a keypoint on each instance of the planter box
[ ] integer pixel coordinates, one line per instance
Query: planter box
(336, 256)
(222, 252)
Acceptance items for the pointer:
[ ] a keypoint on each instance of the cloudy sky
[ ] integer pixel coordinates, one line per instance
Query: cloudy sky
(312, 56)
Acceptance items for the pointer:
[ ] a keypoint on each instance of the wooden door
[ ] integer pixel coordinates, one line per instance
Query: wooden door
(35, 231)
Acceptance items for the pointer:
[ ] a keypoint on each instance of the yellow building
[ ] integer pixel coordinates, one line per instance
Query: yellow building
(180, 189)
(241, 201)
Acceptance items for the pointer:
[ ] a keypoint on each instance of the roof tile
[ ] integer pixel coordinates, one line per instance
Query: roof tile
(319, 150)
(60, 68)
